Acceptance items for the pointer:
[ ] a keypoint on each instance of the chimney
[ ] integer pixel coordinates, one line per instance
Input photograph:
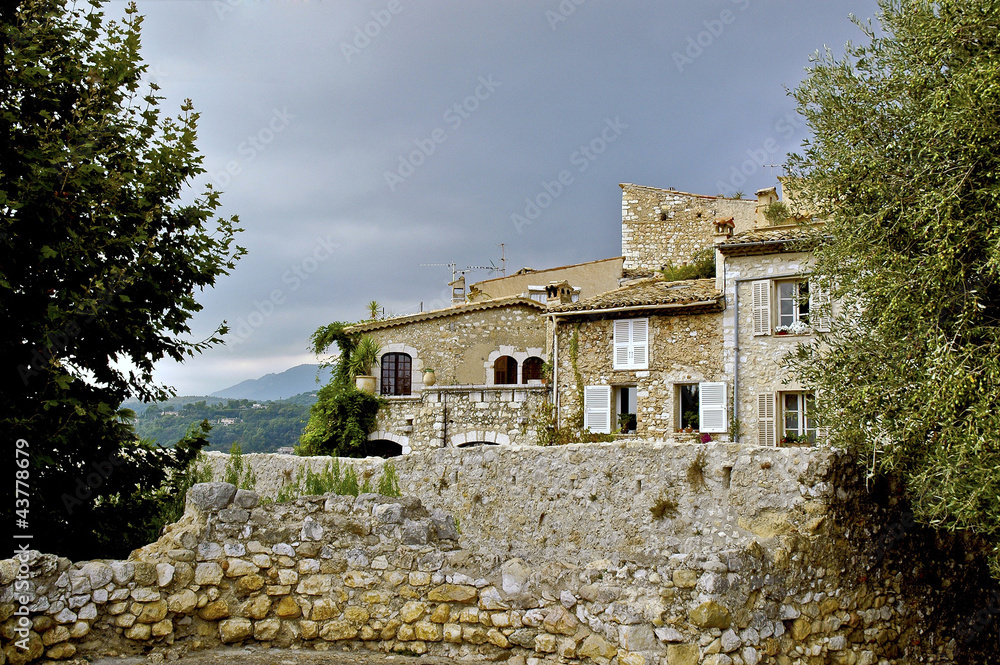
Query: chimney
(458, 291)
(724, 229)
(558, 293)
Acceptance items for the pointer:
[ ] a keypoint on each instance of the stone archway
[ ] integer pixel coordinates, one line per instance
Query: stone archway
(480, 437)
(402, 441)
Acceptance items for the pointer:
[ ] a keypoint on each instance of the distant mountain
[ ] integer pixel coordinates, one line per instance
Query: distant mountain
(291, 382)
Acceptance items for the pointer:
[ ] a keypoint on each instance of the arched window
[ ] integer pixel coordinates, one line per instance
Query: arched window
(396, 374)
(383, 448)
(504, 370)
(531, 370)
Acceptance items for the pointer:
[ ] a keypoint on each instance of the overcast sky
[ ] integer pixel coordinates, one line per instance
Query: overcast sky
(359, 140)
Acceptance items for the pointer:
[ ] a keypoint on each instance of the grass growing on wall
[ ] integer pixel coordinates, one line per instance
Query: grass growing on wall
(335, 479)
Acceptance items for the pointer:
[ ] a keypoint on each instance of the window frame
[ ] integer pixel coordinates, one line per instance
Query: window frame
(712, 406)
(805, 425)
(508, 380)
(597, 402)
(387, 366)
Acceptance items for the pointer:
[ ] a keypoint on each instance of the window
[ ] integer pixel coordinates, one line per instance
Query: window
(702, 406)
(793, 420)
(687, 406)
(395, 374)
(537, 293)
(796, 416)
(531, 370)
(631, 341)
(626, 411)
(597, 409)
(794, 300)
(504, 370)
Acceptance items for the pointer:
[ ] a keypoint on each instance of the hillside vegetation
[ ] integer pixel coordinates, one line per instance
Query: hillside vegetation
(258, 429)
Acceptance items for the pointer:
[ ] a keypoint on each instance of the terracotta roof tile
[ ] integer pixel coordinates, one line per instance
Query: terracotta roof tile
(787, 238)
(650, 293)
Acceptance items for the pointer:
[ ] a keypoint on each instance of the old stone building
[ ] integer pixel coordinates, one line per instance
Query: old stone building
(664, 226)
(646, 359)
(487, 359)
(772, 305)
(630, 353)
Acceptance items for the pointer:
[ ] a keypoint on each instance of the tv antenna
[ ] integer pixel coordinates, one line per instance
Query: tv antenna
(443, 265)
(492, 267)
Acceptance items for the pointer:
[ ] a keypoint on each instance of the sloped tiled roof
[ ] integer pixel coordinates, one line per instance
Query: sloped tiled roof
(785, 238)
(650, 293)
(447, 311)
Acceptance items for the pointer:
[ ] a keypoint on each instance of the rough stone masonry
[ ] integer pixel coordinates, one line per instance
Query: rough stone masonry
(609, 554)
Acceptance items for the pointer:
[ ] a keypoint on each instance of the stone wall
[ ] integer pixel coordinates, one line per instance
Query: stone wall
(451, 416)
(461, 343)
(607, 554)
(665, 226)
(682, 349)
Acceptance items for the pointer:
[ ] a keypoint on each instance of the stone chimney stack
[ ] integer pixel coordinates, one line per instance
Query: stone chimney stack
(558, 293)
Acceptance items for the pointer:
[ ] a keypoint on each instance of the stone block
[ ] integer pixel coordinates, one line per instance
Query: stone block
(683, 654)
(323, 609)
(561, 622)
(595, 646)
(153, 612)
(355, 614)
(332, 631)
(288, 609)
(162, 628)
(638, 637)
(139, 631)
(208, 574)
(428, 632)
(217, 609)
(453, 593)
(211, 496)
(685, 578)
(60, 651)
(452, 633)
(240, 567)
(266, 630)
(246, 499)
(441, 613)
(710, 614)
(257, 607)
(234, 630)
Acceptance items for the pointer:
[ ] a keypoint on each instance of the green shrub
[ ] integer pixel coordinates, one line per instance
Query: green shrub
(238, 471)
(702, 266)
(335, 479)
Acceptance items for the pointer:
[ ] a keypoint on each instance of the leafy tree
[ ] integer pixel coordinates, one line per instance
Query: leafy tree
(99, 263)
(903, 161)
(342, 417)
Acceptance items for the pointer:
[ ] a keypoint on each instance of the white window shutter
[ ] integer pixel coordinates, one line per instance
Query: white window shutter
(765, 419)
(597, 409)
(820, 315)
(623, 334)
(761, 292)
(712, 407)
(640, 344)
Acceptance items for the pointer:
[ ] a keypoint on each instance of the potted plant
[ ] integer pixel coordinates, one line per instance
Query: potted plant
(429, 378)
(626, 422)
(364, 357)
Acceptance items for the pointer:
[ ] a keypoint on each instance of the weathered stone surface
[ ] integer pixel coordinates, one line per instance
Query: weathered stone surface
(452, 633)
(710, 614)
(99, 574)
(182, 602)
(429, 632)
(162, 628)
(266, 629)
(683, 654)
(153, 612)
(211, 496)
(315, 585)
(561, 622)
(208, 573)
(234, 630)
(257, 607)
(246, 499)
(453, 593)
(638, 637)
(333, 631)
(514, 574)
(139, 631)
(412, 611)
(685, 578)
(355, 614)
(545, 643)
(61, 651)
(595, 646)
(217, 609)
(55, 635)
(164, 574)
(287, 608)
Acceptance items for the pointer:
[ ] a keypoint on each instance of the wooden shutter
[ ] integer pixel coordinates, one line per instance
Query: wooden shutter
(765, 419)
(640, 343)
(623, 335)
(712, 407)
(597, 409)
(820, 315)
(631, 340)
(761, 292)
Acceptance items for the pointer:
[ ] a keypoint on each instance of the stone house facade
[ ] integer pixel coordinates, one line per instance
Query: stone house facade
(772, 305)
(645, 359)
(487, 359)
(638, 356)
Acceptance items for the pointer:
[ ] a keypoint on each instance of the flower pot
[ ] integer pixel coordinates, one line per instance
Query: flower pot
(365, 383)
(429, 379)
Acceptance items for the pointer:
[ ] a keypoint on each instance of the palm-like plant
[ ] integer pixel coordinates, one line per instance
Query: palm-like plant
(373, 310)
(364, 357)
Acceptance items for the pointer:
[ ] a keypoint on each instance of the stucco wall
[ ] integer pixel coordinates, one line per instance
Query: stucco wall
(760, 367)
(649, 243)
(682, 349)
(592, 278)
